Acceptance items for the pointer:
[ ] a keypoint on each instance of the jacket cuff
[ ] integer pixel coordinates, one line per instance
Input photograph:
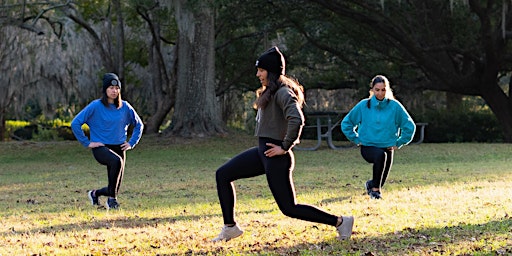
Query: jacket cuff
(286, 146)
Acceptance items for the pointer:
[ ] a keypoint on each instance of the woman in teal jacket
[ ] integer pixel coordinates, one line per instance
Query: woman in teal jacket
(378, 125)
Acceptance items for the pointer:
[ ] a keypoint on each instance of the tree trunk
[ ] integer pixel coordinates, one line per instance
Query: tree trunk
(163, 83)
(196, 112)
(162, 87)
(2, 124)
(500, 106)
(118, 44)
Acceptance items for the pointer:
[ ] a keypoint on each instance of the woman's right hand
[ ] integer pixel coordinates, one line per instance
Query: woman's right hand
(95, 144)
(274, 150)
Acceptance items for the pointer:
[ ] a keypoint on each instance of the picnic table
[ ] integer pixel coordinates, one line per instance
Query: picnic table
(324, 121)
(422, 132)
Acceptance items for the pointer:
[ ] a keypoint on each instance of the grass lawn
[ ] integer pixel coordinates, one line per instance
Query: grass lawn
(440, 199)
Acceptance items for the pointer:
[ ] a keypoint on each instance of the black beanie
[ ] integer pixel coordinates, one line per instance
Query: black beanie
(110, 79)
(272, 60)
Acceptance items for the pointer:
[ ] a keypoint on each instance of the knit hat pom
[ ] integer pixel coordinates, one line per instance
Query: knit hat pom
(110, 79)
(272, 60)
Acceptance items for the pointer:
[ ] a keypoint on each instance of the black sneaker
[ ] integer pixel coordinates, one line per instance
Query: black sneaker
(375, 195)
(112, 203)
(94, 199)
(368, 186)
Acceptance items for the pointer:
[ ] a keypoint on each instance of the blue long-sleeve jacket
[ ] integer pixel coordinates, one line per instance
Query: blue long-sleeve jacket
(107, 125)
(385, 124)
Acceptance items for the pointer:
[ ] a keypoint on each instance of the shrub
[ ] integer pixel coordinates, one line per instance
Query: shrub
(12, 125)
(461, 126)
(42, 130)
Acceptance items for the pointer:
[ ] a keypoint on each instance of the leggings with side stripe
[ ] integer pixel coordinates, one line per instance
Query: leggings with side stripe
(278, 170)
(114, 158)
(382, 160)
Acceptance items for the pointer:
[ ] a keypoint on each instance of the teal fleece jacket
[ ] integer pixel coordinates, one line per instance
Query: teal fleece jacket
(385, 124)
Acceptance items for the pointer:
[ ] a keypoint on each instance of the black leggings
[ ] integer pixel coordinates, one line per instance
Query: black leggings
(278, 170)
(382, 160)
(114, 158)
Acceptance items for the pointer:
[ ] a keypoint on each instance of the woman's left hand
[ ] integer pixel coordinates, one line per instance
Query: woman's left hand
(274, 150)
(393, 148)
(126, 146)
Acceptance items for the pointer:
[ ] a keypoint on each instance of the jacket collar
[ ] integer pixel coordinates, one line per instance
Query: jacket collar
(379, 103)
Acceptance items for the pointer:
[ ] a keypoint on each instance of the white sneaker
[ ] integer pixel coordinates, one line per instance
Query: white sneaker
(345, 229)
(228, 233)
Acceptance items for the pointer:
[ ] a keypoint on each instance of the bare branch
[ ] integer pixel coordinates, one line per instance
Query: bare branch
(68, 2)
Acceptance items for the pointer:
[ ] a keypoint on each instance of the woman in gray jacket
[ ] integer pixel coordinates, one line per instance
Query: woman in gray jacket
(279, 125)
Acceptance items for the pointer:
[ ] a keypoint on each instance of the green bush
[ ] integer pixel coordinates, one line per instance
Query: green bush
(45, 134)
(13, 125)
(461, 126)
(41, 130)
(443, 126)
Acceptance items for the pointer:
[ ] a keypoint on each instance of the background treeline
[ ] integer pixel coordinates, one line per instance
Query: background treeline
(188, 66)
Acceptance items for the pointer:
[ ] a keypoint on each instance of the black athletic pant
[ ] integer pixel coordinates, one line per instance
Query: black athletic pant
(382, 160)
(278, 170)
(114, 158)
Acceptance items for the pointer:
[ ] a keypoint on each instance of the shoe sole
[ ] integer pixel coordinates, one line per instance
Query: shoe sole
(235, 236)
(225, 240)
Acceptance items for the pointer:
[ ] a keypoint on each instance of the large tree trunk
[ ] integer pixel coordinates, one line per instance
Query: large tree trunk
(2, 124)
(162, 87)
(500, 105)
(5, 88)
(196, 112)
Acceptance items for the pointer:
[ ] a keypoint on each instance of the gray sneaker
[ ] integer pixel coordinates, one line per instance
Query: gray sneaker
(112, 204)
(345, 229)
(228, 233)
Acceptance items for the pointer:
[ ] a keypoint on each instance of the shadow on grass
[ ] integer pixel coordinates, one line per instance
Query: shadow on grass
(404, 242)
(428, 241)
(119, 222)
(335, 200)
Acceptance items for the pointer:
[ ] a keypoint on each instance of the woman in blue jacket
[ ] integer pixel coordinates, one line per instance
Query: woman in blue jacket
(378, 125)
(108, 119)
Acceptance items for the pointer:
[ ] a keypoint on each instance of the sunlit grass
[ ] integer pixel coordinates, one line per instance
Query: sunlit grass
(440, 199)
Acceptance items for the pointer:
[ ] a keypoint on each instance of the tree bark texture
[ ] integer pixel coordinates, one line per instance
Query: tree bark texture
(162, 85)
(196, 112)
